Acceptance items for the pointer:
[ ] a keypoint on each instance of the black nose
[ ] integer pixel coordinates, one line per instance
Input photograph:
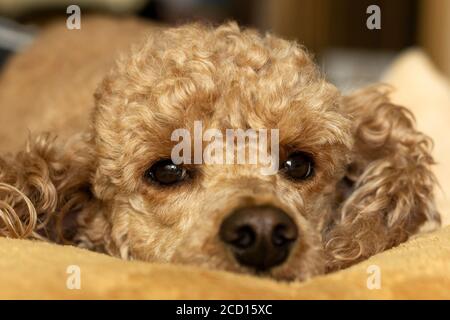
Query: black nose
(259, 236)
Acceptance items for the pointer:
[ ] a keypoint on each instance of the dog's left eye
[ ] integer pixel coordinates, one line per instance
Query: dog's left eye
(165, 172)
(299, 165)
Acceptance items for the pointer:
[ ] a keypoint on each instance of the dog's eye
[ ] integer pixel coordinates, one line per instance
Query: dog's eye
(165, 172)
(299, 165)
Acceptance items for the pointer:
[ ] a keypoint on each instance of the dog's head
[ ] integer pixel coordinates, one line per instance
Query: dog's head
(232, 216)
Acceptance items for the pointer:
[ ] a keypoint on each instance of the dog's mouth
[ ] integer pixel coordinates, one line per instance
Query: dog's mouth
(256, 239)
(286, 272)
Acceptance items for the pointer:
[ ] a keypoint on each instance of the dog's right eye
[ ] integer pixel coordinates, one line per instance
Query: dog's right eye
(165, 172)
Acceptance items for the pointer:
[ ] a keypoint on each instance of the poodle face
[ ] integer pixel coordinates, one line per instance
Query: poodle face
(226, 79)
(232, 79)
(353, 178)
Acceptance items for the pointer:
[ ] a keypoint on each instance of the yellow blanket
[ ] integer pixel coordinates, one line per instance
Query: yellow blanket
(419, 269)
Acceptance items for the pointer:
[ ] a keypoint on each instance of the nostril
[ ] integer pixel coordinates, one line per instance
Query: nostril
(245, 237)
(237, 233)
(283, 235)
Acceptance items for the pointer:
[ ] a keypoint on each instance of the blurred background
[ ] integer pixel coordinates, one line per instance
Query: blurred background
(333, 30)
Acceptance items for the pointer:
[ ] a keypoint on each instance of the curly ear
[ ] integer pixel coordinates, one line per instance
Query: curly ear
(391, 183)
(42, 185)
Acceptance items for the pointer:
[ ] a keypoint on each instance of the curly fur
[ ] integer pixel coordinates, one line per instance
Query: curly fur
(373, 186)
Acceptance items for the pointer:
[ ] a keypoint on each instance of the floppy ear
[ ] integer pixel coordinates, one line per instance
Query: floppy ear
(390, 182)
(42, 185)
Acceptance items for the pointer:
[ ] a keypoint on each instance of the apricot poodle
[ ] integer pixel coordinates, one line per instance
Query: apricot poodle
(354, 174)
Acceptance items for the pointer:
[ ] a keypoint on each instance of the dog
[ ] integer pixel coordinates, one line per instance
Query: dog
(354, 175)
